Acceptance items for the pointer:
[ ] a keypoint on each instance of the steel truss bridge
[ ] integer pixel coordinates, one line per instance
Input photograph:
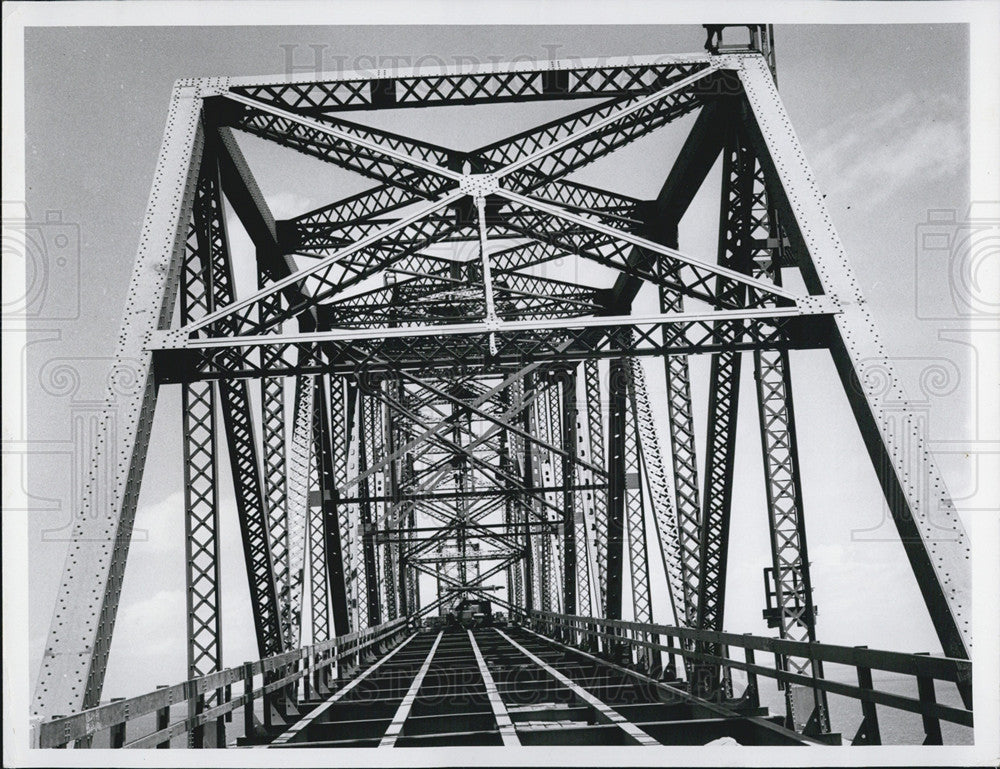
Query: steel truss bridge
(418, 405)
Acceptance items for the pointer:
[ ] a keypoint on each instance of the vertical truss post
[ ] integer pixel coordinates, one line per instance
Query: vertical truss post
(734, 253)
(583, 512)
(341, 422)
(550, 477)
(331, 522)
(319, 589)
(298, 498)
(374, 436)
(527, 390)
(201, 527)
(236, 413)
(272, 405)
(617, 485)
(659, 495)
(410, 513)
(347, 453)
(635, 515)
(598, 457)
(374, 609)
(397, 520)
(567, 381)
(201, 513)
(796, 615)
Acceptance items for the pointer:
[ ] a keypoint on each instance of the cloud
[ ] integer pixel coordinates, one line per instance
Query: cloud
(287, 205)
(867, 159)
(159, 527)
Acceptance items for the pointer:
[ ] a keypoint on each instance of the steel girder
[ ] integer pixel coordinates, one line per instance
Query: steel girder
(275, 498)
(497, 83)
(459, 347)
(368, 521)
(346, 328)
(617, 487)
(651, 462)
(201, 510)
(76, 652)
(238, 422)
(932, 533)
(635, 507)
(734, 234)
(333, 545)
(319, 588)
(598, 523)
(299, 455)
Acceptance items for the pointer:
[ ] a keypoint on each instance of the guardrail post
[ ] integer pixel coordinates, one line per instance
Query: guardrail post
(868, 731)
(196, 708)
(727, 672)
(932, 725)
(752, 689)
(118, 730)
(220, 721)
(229, 698)
(670, 671)
(307, 678)
(248, 721)
(163, 720)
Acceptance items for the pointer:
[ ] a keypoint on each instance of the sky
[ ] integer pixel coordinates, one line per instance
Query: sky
(881, 113)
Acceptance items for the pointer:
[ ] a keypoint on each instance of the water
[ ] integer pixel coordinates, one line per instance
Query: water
(897, 727)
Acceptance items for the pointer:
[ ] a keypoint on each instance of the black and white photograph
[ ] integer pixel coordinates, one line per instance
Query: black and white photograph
(486, 384)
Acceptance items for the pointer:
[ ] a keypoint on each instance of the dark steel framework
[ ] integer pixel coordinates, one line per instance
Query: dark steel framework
(463, 411)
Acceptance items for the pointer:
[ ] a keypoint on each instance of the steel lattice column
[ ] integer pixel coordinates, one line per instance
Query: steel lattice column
(684, 459)
(236, 413)
(583, 512)
(724, 391)
(598, 456)
(656, 487)
(299, 458)
(617, 485)
(331, 522)
(571, 512)
(635, 512)
(373, 607)
(201, 513)
(319, 590)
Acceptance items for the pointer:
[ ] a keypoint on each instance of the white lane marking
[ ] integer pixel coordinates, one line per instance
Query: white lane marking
(610, 715)
(507, 731)
(303, 723)
(389, 738)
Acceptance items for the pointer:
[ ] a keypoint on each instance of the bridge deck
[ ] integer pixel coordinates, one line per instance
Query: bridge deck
(511, 686)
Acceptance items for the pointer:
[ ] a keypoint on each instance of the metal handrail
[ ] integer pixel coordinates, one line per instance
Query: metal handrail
(924, 668)
(80, 727)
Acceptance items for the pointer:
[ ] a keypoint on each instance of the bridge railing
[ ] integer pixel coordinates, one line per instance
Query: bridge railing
(610, 637)
(211, 699)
